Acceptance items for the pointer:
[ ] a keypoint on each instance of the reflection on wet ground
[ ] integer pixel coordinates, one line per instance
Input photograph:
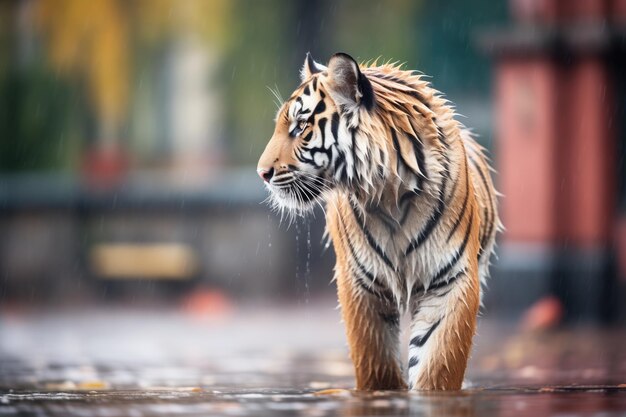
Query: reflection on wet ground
(290, 362)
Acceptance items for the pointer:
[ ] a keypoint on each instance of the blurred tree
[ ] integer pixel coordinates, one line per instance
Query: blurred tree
(39, 118)
(90, 39)
(40, 114)
(159, 20)
(371, 29)
(258, 59)
(165, 32)
(447, 50)
(111, 45)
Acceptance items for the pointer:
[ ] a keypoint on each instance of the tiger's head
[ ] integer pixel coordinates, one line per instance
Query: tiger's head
(313, 149)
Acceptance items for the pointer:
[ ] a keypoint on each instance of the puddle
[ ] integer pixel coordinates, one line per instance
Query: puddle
(284, 363)
(605, 401)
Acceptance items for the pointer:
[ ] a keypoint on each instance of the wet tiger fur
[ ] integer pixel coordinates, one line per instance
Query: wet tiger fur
(410, 208)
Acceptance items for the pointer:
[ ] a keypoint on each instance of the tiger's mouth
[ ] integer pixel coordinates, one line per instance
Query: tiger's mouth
(296, 191)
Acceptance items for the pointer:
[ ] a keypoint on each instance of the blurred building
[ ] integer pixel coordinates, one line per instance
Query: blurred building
(560, 134)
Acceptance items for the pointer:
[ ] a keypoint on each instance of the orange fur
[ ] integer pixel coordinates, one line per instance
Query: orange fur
(374, 367)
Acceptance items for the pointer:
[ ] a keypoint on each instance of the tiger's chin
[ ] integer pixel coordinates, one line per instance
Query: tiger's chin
(294, 200)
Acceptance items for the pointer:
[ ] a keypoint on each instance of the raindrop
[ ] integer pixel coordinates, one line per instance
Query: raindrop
(269, 232)
(298, 259)
(307, 271)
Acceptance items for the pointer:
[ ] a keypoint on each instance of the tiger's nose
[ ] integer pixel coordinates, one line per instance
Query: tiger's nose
(266, 174)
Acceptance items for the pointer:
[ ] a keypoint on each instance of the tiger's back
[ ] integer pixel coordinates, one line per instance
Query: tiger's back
(419, 216)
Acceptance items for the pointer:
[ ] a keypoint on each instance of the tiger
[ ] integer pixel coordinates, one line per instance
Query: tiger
(410, 209)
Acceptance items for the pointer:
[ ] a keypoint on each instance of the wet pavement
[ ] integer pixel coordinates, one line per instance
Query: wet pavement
(260, 361)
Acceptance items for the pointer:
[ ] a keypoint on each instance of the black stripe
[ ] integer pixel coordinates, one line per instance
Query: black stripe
(419, 154)
(366, 287)
(302, 158)
(334, 126)
(459, 253)
(412, 92)
(446, 158)
(419, 341)
(433, 221)
(428, 229)
(441, 136)
(373, 288)
(404, 200)
(322, 125)
(370, 239)
(438, 286)
(392, 319)
(488, 215)
(314, 83)
(484, 235)
(319, 108)
(456, 182)
(416, 290)
(454, 187)
(458, 220)
(381, 289)
(378, 293)
(417, 109)
(436, 216)
(368, 98)
(396, 145)
(401, 107)
(306, 90)
(340, 167)
(413, 361)
(339, 160)
(343, 172)
(409, 195)
(418, 150)
(444, 283)
(315, 151)
(354, 161)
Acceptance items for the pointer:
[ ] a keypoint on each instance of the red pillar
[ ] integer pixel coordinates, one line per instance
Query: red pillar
(585, 164)
(556, 141)
(526, 105)
(555, 145)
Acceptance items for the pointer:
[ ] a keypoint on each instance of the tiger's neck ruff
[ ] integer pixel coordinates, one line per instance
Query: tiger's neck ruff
(411, 211)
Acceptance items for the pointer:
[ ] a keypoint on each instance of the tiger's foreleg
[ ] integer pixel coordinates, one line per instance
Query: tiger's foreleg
(372, 327)
(442, 328)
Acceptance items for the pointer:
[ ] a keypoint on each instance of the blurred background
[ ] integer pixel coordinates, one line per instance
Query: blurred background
(130, 131)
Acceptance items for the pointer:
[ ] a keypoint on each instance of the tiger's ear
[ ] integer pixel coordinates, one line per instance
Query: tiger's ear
(348, 86)
(310, 67)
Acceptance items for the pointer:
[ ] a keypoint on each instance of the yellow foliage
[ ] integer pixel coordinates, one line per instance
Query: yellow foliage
(208, 19)
(92, 38)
